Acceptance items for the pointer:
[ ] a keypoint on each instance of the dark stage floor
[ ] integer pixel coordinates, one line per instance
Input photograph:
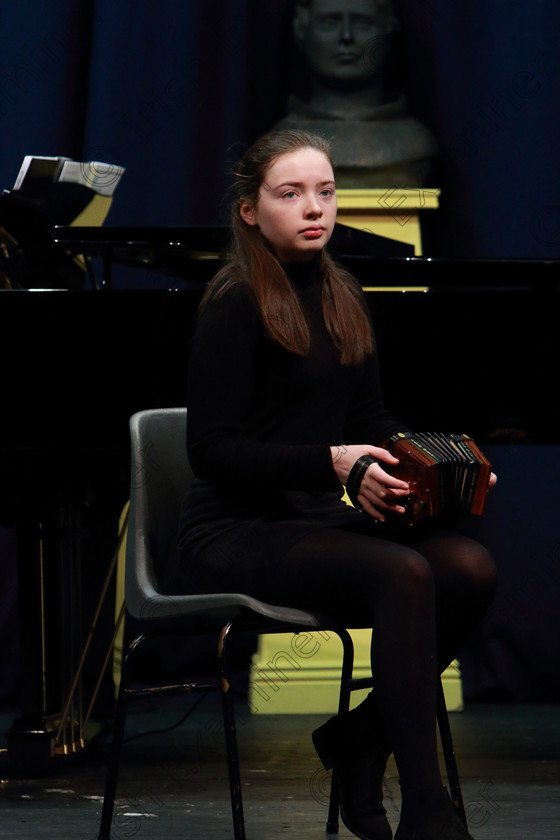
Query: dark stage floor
(173, 783)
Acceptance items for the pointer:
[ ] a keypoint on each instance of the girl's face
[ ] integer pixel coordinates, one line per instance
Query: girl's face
(296, 208)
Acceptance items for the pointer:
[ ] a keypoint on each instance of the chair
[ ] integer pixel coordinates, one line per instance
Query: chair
(160, 476)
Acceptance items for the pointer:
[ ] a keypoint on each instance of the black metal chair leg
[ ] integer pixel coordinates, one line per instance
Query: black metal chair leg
(231, 737)
(449, 754)
(116, 746)
(343, 706)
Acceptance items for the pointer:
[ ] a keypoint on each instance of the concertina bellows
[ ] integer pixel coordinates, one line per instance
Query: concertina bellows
(447, 474)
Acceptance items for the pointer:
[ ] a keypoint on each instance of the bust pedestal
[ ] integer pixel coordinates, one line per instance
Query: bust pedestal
(393, 212)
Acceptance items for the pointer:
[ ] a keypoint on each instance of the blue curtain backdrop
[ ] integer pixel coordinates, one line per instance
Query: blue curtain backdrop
(175, 90)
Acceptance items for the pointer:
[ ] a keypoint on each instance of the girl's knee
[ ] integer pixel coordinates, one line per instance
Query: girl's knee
(485, 572)
(478, 566)
(471, 566)
(413, 571)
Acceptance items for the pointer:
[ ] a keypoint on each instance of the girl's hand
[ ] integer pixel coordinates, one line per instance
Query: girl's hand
(379, 491)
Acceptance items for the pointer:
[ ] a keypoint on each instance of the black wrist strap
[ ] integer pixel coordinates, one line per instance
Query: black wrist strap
(355, 476)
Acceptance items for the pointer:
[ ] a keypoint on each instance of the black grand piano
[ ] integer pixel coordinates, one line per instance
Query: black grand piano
(464, 345)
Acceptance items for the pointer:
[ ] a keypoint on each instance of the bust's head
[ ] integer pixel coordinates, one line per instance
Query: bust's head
(345, 42)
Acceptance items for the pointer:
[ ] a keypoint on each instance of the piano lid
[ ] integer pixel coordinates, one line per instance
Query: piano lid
(194, 252)
(173, 250)
(211, 240)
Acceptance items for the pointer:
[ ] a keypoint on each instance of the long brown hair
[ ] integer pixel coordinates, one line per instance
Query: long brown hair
(251, 259)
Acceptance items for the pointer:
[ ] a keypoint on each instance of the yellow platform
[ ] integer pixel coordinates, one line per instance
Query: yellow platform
(300, 674)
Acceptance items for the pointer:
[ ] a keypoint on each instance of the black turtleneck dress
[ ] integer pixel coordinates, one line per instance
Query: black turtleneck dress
(265, 515)
(260, 423)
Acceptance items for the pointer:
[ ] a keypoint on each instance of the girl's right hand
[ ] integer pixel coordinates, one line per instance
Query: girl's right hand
(379, 491)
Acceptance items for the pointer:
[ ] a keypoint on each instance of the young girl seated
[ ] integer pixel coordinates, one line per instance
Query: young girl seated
(283, 399)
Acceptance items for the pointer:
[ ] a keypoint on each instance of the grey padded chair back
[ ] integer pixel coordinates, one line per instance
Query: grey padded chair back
(159, 479)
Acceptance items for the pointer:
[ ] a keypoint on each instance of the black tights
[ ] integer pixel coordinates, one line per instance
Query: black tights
(423, 601)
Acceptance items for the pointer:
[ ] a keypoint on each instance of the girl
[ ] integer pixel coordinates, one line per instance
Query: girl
(283, 398)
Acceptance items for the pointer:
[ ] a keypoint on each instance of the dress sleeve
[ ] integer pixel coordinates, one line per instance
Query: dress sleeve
(368, 420)
(220, 390)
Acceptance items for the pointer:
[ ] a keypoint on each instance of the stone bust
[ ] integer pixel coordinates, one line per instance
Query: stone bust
(346, 45)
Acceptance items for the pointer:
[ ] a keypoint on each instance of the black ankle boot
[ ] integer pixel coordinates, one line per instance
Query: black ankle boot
(430, 815)
(355, 745)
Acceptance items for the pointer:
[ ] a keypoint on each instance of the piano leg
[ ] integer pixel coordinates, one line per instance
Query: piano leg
(54, 705)
(29, 740)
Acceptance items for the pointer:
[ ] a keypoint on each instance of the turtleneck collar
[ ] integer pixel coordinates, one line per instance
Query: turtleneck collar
(303, 274)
